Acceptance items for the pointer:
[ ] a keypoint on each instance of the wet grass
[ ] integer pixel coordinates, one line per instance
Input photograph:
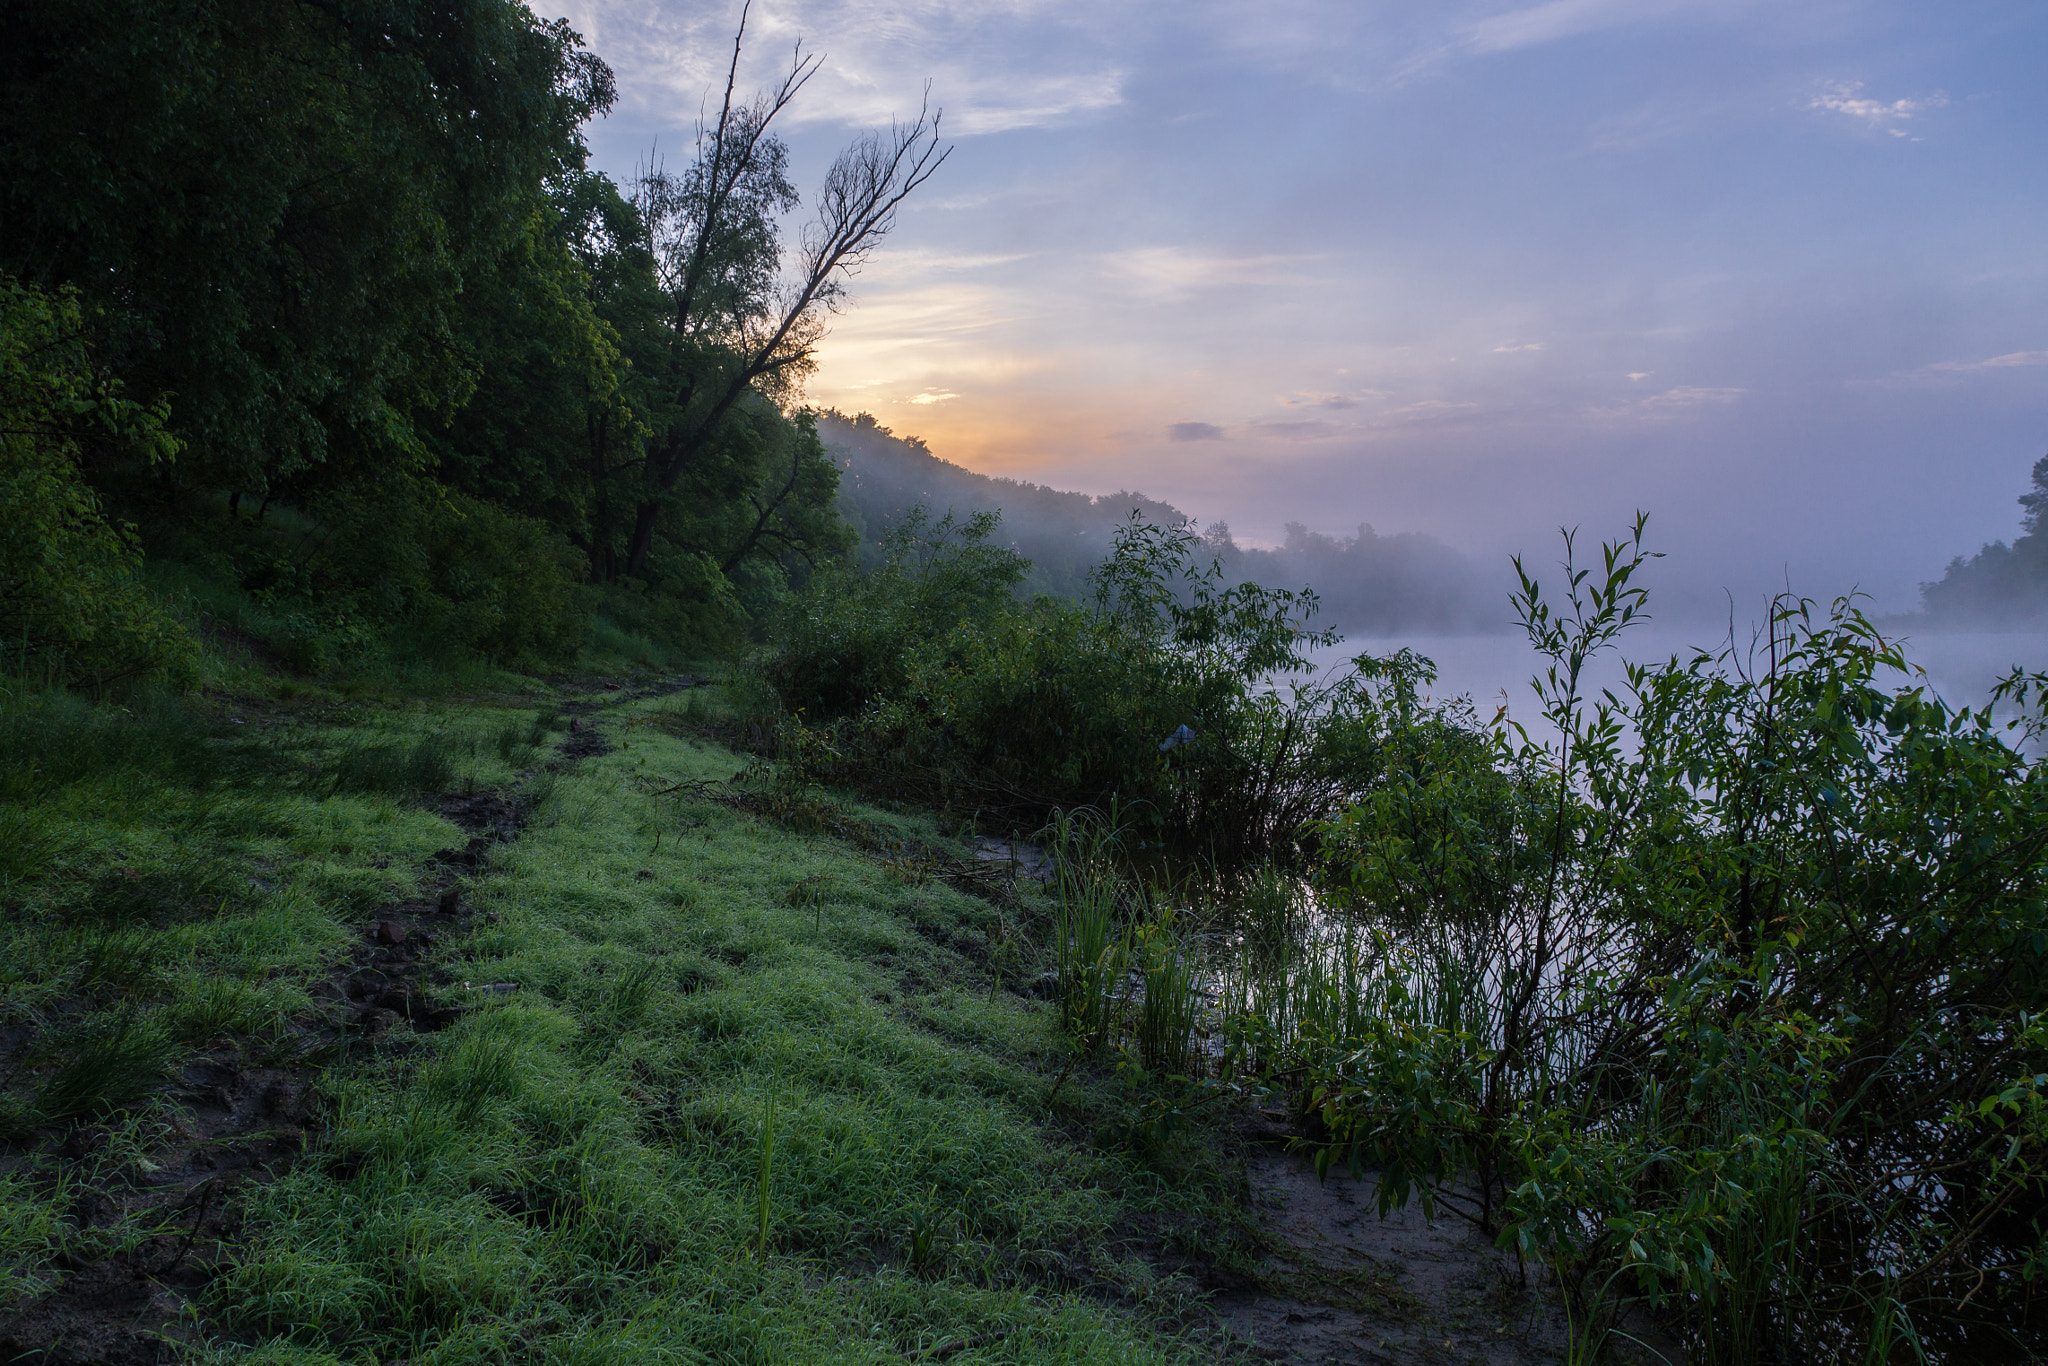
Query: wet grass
(583, 1169)
(751, 1102)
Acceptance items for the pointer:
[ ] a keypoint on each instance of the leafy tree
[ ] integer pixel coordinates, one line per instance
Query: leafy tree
(2001, 583)
(69, 588)
(273, 209)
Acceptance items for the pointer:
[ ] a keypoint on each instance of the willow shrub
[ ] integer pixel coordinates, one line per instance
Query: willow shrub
(929, 674)
(1730, 1003)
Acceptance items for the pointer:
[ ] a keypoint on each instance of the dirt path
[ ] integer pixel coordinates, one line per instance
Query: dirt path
(240, 1122)
(1344, 1287)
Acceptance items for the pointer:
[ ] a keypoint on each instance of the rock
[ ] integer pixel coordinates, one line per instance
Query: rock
(391, 932)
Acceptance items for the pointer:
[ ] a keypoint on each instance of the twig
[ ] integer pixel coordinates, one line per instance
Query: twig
(206, 1192)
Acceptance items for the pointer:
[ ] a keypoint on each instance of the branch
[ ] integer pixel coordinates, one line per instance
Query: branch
(753, 537)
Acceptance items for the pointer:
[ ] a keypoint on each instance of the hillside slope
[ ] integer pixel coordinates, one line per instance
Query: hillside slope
(1370, 584)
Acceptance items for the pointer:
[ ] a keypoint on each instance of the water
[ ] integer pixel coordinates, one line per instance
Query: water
(1494, 670)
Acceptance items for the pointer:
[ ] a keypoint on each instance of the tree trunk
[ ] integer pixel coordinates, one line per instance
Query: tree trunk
(643, 538)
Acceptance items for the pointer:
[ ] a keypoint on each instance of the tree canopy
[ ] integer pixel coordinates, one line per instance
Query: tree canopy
(351, 252)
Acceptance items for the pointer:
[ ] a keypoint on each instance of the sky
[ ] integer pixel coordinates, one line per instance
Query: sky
(1771, 272)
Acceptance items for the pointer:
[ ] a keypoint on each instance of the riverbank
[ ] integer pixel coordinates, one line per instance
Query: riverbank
(517, 1029)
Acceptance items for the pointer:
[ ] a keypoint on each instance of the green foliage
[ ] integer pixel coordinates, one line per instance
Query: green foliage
(71, 597)
(50, 739)
(116, 1064)
(1158, 692)
(1728, 1002)
(584, 1169)
(857, 637)
(276, 212)
(353, 257)
(460, 573)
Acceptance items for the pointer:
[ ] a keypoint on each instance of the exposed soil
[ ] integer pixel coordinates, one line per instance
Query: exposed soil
(245, 1114)
(1342, 1285)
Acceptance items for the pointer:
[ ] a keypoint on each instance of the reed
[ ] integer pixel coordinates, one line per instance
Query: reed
(1171, 1009)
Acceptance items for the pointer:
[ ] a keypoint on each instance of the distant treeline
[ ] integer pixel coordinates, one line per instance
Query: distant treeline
(1369, 584)
(2000, 585)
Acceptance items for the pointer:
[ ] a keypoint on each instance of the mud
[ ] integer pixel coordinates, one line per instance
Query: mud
(1342, 1285)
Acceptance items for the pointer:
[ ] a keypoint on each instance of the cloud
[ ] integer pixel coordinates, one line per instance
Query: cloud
(2009, 360)
(1193, 431)
(1553, 21)
(1689, 396)
(1640, 374)
(1843, 97)
(1670, 403)
(994, 65)
(1943, 372)
(1429, 409)
(1309, 398)
(1174, 273)
(1546, 23)
(1295, 431)
(930, 396)
(1525, 346)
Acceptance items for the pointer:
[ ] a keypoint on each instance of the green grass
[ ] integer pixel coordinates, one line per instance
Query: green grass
(581, 1170)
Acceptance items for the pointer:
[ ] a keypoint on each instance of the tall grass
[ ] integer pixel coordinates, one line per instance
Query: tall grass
(1171, 1009)
(1124, 962)
(1091, 930)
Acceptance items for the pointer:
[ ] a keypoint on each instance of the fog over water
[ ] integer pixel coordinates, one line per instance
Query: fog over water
(1961, 666)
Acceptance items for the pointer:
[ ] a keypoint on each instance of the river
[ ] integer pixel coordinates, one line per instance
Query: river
(1960, 666)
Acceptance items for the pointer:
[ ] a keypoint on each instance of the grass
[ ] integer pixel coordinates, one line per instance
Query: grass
(754, 1098)
(717, 1122)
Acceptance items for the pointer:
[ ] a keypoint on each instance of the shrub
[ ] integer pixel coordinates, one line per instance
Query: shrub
(463, 574)
(1729, 1003)
(70, 592)
(928, 673)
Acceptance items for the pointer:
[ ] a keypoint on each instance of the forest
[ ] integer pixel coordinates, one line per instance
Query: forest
(2001, 585)
(521, 840)
(326, 308)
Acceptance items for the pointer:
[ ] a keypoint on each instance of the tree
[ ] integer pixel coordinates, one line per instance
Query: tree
(70, 592)
(2000, 584)
(270, 211)
(732, 323)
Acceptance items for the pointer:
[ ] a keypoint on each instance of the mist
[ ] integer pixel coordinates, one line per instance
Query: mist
(1367, 584)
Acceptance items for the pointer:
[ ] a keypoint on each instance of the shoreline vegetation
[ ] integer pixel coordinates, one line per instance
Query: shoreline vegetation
(512, 849)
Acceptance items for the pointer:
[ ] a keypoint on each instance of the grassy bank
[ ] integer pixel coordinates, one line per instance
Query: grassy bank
(756, 1096)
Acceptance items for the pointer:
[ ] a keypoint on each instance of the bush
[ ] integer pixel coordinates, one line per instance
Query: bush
(1729, 1003)
(462, 573)
(71, 598)
(929, 674)
(687, 611)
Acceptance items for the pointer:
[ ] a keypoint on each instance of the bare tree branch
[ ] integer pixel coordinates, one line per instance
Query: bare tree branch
(715, 234)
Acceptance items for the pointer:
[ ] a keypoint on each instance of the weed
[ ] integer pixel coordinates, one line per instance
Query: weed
(426, 764)
(115, 1064)
(32, 1229)
(1168, 1015)
(764, 1178)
